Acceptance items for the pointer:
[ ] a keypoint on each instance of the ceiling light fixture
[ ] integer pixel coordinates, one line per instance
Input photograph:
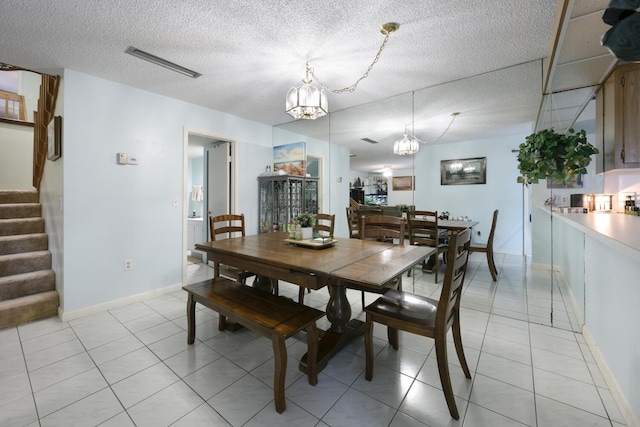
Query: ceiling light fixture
(309, 102)
(161, 62)
(410, 144)
(407, 145)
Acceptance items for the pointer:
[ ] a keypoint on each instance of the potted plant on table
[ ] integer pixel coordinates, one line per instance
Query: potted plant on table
(306, 221)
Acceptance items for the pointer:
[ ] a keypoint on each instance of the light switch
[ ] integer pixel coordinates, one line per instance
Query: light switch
(122, 158)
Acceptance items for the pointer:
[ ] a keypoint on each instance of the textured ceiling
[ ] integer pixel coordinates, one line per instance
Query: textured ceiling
(250, 53)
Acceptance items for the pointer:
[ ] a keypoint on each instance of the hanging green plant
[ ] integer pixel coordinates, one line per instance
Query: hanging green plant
(554, 156)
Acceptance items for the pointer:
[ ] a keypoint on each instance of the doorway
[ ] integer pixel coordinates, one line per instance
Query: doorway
(208, 189)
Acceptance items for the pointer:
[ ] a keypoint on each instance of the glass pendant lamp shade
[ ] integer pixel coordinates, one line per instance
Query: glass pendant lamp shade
(406, 146)
(307, 101)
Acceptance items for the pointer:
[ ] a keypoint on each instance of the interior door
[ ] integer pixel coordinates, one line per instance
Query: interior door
(218, 172)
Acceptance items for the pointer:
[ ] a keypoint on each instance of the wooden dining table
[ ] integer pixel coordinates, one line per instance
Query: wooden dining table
(456, 225)
(345, 262)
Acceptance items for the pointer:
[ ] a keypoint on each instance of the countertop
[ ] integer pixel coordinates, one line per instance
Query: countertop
(617, 230)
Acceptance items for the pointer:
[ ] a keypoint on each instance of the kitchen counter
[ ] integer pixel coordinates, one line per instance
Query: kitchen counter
(597, 256)
(618, 231)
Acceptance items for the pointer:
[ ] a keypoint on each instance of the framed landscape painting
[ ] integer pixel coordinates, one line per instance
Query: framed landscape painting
(463, 171)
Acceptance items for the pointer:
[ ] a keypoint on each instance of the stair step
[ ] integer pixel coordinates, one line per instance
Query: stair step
(20, 285)
(19, 196)
(23, 243)
(10, 227)
(28, 308)
(24, 262)
(20, 210)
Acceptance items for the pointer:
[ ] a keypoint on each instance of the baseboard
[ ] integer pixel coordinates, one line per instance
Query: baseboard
(614, 388)
(94, 309)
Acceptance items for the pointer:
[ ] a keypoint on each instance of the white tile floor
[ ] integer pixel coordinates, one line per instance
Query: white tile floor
(131, 366)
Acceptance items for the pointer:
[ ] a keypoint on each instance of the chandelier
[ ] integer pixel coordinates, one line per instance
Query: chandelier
(309, 102)
(409, 144)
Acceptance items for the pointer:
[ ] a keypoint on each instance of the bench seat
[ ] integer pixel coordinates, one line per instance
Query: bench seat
(274, 317)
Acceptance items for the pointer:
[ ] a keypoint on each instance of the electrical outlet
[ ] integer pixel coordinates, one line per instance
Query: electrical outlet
(565, 199)
(128, 265)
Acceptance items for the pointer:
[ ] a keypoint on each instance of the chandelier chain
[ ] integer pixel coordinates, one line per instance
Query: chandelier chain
(355, 85)
(453, 117)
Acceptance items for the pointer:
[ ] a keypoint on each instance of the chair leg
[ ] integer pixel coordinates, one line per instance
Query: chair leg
(445, 380)
(368, 348)
(301, 295)
(392, 337)
(492, 265)
(362, 300)
(457, 340)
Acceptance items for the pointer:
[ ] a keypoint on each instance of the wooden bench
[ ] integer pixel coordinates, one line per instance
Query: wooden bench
(274, 317)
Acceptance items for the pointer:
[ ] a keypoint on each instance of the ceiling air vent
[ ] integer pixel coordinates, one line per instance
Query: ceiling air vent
(370, 141)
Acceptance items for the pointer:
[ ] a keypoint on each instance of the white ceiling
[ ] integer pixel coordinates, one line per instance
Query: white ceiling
(250, 53)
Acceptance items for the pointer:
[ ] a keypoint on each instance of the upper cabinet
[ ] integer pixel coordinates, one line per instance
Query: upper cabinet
(618, 109)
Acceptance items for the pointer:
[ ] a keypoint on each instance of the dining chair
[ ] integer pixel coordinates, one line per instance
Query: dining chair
(230, 225)
(382, 228)
(425, 316)
(488, 248)
(352, 221)
(325, 224)
(422, 228)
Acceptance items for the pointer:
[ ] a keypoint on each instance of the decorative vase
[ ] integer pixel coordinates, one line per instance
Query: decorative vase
(307, 233)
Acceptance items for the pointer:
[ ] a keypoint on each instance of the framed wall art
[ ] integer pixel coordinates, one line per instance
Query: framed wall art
(463, 171)
(402, 183)
(290, 158)
(54, 138)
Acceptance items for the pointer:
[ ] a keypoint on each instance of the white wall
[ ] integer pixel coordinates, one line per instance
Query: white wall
(16, 157)
(114, 212)
(477, 201)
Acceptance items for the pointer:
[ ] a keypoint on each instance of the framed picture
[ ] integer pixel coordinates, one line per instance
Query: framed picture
(54, 138)
(291, 158)
(402, 183)
(463, 171)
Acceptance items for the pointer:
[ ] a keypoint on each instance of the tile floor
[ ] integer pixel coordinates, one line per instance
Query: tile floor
(131, 366)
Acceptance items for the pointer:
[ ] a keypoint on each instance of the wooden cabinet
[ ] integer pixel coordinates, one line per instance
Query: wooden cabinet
(281, 198)
(357, 194)
(618, 106)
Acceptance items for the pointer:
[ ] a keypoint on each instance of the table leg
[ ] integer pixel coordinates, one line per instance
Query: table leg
(342, 330)
(338, 308)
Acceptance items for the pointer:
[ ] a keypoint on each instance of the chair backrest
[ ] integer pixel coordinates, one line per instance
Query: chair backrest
(228, 224)
(352, 221)
(422, 227)
(457, 257)
(327, 224)
(493, 229)
(382, 227)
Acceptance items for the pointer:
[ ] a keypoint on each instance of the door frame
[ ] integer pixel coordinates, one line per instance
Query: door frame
(185, 181)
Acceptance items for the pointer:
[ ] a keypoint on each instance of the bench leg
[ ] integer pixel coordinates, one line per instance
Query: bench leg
(312, 353)
(222, 322)
(191, 318)
(280, 354)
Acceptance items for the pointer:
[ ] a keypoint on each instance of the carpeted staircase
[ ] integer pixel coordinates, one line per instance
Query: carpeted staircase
(27, 282)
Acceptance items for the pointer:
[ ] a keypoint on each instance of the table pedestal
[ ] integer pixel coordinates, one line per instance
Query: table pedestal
(342, 330)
